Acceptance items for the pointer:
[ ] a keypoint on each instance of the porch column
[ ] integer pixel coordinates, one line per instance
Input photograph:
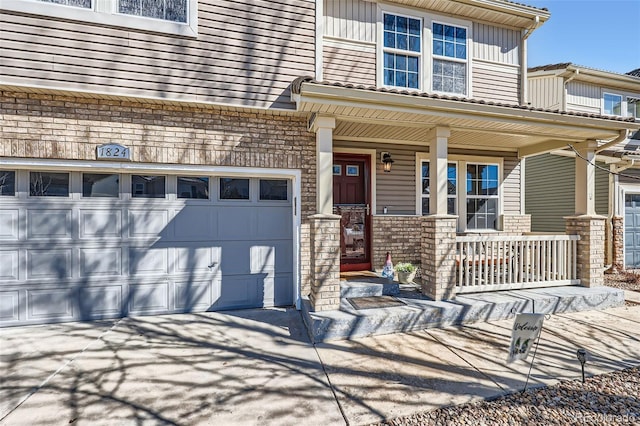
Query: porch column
(438, 170)
(439, 256)
(323, 128)
(585, 223)
(325, 262)
(585, 196)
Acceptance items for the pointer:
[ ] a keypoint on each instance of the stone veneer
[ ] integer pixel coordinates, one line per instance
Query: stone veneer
(53, 126)
(325, 262)
(616, 239)
(590, 258)
(439, 256)
(515, 224)
(399, 235)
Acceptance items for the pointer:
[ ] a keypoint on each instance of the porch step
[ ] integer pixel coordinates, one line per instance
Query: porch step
(420, 312)
(367, 287)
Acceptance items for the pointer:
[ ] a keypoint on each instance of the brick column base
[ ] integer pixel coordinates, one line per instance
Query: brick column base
(439, 257)
(325, 262)
(590, 262)
(616, 239)
(515, 224)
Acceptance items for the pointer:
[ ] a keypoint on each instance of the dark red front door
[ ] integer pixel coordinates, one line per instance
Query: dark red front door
(351, 200)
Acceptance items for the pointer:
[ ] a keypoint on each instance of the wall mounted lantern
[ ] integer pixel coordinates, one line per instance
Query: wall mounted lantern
(387, 161)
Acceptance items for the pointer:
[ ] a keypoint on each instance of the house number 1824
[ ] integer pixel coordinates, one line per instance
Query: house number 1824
(113, 151)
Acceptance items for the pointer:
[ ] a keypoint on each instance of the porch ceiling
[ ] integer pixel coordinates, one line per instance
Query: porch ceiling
(374, 115)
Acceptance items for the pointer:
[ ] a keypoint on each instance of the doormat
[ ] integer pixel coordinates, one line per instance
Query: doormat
(373, 302)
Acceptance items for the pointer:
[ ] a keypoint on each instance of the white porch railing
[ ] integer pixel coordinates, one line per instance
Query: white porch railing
(488, 263)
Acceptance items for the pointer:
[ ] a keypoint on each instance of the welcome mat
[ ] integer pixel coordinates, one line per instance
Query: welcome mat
(373, 302)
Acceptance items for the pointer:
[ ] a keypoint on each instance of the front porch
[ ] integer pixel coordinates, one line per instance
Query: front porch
(415, 311)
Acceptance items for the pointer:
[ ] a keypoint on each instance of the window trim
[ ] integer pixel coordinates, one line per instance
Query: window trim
(104, 12)
(461, 187)
(426, 59)
(622, 102)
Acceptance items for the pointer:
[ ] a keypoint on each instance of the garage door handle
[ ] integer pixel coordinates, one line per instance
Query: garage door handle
(212, 265)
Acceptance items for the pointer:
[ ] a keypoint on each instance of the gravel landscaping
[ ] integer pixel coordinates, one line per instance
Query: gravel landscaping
(607, 399)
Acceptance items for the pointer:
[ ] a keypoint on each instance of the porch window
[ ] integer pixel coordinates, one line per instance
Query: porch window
(449, 59)
(482, 196)
(77, 3)
(451, 188)
(612, 104)
(402, 48)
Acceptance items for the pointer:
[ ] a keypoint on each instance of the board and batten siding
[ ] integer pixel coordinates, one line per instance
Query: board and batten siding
(582, 97)
(397, 190)
(351, 20)
(550, 191)
(352, 64)
(546, 92)
(497, 83)
(246, 53)
(495, 44)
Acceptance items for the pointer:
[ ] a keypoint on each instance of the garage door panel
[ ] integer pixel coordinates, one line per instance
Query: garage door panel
(240, 291)
(100, 261)
(9, 225)
(236, 223)
(194, 223)
(48, 224)
(50, 304)
(100, 301)
(276, 224)
(8, 265)
(148, 261)
(193, 296)
(148, 223)
(100, 224)
(197, 259)
(9, 306)
(149, 298)
(283, 289)
(53, 264)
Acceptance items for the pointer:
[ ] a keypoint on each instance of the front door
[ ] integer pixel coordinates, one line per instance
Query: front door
(351, 200)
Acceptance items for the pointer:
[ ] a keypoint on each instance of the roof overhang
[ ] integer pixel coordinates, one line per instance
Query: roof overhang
(501, 12)
(589, 75)
(378, 115)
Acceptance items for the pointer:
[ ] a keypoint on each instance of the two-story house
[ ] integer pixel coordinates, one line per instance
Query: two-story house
(194, 155)
(550, 182)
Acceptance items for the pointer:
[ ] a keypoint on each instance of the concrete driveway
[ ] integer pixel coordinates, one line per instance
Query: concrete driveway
(250, 367)
(257, 367)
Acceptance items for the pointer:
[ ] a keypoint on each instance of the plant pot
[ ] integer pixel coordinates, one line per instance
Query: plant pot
(406, 277)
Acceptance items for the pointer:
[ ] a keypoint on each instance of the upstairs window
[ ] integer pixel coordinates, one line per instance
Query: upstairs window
(167, 10)
(633, 108)
(76, 3)
(402, 49)
(449, 59)
(612, 104)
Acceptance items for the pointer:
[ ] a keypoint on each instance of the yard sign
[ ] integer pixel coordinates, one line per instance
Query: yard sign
(526, 330)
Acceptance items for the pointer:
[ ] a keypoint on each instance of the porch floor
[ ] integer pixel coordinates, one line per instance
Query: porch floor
(420, 312)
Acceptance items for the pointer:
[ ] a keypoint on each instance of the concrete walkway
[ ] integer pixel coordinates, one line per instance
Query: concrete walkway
(257, 367)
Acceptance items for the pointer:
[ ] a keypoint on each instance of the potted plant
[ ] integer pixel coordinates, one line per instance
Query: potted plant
(406, 272)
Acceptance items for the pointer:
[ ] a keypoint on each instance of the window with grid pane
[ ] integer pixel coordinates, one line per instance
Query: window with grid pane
(451, 188)
(633, 108)
(402, 47)
(76, 3)
(482, 196)
(167, 10)
(449, 59)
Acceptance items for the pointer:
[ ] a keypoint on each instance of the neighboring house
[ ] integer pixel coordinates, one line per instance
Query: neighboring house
(207, 155)
(550, 184)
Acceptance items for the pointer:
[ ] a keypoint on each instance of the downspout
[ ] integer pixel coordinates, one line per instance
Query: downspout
(524, 89)
(622, 135)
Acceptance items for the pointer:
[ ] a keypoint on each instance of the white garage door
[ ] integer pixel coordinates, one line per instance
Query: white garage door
(78, 246)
